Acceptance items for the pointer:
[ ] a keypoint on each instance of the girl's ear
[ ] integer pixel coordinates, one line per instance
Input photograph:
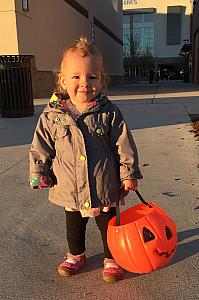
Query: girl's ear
(62, 81)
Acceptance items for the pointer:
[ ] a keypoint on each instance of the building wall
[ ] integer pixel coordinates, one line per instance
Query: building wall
(161, 49)
(8, 30)
(47, 29)
(195, 44)
(111, 48)
(49, 26)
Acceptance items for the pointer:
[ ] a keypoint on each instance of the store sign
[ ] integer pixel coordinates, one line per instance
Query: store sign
(129, 2)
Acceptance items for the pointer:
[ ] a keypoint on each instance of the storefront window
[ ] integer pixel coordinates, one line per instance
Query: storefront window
(138, 32)
(143, 33)
(126, 35)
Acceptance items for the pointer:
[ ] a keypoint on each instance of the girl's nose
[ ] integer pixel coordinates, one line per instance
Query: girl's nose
(84, 83)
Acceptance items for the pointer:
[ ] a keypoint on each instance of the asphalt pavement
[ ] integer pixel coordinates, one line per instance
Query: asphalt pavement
(32, 230)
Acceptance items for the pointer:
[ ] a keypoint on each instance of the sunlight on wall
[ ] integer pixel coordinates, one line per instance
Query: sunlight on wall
(115, 5)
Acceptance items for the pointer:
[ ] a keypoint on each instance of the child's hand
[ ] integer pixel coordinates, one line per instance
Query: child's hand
(41, 182)
(130, 184)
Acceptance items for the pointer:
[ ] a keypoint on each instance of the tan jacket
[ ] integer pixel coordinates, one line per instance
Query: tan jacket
(87, 156)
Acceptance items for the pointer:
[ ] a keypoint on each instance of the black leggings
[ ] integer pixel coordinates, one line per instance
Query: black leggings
(76, 229)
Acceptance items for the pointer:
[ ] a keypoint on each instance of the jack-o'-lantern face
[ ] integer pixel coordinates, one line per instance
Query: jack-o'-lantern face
(145, 240)
(149, 236)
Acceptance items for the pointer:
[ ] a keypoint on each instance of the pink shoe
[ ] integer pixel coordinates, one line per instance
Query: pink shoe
(72, 264)
(112, 271)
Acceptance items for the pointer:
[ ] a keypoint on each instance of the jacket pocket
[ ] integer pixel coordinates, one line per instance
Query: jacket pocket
(61, 131)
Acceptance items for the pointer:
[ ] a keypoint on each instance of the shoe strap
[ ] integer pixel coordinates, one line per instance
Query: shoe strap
(111, 265)
(71, 260)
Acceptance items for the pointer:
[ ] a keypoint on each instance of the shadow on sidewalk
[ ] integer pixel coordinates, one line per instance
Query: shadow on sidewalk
(95, 262)
(18, 131)
(187, 249)
(138, 113)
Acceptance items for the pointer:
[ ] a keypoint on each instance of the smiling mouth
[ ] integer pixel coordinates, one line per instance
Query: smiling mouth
(85, 92)
(165, 253)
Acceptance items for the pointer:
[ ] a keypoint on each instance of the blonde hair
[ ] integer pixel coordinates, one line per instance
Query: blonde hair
(87, 49)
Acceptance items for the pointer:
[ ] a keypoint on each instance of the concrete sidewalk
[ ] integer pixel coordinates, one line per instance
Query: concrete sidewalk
(33, 230)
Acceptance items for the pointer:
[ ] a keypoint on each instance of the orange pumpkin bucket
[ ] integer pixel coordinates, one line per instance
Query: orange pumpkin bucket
(145, 239)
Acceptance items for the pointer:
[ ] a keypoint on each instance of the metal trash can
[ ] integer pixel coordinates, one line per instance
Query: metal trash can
(16, 96)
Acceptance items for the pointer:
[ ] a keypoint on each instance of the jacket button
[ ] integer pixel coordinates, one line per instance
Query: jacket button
(98, 131)
(82, 157)
(87, 204)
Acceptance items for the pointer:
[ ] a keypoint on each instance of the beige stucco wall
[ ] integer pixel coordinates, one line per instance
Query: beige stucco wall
(51, 25)
(46, 29)
(160, 24)
(111, 50)
(111, 53)
(109, 13)
(8, 31)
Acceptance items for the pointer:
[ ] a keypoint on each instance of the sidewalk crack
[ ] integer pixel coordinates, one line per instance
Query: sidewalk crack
(155, 93)
(13, 165)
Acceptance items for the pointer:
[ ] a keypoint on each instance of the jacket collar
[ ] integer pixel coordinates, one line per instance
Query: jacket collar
(59, 102)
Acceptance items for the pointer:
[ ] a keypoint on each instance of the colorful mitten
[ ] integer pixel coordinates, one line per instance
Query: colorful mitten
(41, 182)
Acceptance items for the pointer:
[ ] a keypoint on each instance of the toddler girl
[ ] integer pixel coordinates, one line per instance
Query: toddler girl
(83, 150)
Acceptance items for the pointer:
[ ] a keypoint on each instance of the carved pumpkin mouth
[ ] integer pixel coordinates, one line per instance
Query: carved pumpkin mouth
(165, 253)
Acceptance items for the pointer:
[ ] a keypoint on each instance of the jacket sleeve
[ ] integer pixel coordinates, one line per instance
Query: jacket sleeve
(124, 147)
(42, 150)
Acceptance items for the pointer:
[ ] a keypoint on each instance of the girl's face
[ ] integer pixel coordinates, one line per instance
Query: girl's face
(81, 76)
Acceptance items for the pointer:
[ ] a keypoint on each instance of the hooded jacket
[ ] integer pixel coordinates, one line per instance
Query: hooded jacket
(86, 156)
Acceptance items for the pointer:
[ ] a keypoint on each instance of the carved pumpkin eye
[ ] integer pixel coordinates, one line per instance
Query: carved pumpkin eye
(168, 233)
(148, 235)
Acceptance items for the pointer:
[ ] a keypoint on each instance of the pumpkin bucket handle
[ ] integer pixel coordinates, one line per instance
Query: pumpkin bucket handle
(142, 199)
(118, 208)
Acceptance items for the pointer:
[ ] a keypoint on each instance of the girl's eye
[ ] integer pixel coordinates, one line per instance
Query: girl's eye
(93, 77)
(75, 77)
